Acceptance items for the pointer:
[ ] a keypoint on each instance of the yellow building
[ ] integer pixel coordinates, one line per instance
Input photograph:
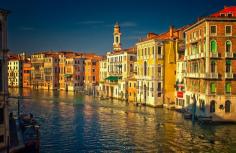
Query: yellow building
(156, 65)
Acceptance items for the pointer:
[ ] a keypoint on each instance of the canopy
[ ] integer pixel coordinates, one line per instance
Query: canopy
(113, 78)
(67, 75)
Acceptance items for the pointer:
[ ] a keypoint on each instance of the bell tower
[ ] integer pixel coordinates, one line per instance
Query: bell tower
(116, 34)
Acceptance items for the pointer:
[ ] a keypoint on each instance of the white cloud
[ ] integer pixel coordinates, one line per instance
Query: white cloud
(128, 24)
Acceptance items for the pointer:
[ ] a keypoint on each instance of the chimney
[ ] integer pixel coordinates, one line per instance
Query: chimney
(171, 31)
(225, 7)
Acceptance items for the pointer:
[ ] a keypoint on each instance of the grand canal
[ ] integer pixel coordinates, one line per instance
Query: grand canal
(72, 123)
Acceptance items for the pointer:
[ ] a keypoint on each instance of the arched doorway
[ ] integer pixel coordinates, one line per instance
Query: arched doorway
(212, 106)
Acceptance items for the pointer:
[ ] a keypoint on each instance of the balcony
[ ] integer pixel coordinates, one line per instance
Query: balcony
(160, 56)
(195, 56)
(192, 75)
(214, 55)
(229, 75)
(212, 75)
(202, 55)
(229, 55)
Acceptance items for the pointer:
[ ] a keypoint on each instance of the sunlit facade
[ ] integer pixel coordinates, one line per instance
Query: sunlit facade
(210, 78)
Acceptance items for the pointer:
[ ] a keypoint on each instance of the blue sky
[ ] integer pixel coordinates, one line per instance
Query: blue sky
(87, 25)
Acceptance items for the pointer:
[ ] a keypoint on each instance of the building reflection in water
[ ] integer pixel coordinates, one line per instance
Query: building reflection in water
(73, 122)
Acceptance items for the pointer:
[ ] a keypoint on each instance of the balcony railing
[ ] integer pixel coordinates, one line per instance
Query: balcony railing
(192, 75)
(214, 55)
(202, 55)
(212, 75)
(160, 56)
(229, 55)
(229, 75)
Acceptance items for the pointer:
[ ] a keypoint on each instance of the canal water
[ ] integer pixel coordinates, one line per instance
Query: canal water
(72, 123)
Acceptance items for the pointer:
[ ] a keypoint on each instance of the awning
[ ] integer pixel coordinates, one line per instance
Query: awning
(67, 75)
(113, 78)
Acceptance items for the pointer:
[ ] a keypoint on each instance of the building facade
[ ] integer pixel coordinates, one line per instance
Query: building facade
(210, 60)
(92, 74)
(15, 75)
(27, 74)
(120, 66)
(4, 119)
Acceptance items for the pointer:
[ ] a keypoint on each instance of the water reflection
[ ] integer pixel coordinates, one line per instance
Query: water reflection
(76, 123)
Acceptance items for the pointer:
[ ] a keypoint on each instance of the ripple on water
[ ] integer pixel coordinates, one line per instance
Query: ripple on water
(72, 123)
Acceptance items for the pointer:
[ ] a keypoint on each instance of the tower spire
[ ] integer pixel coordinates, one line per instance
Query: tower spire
(117, 36)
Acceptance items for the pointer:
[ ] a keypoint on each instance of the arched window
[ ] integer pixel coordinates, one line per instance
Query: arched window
(213, 46)
(227, 106)
(228, 66)
(213, 66)
(145, 68)
(212, 106)
(228, 46)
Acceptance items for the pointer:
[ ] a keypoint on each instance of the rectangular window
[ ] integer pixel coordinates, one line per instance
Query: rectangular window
(1, 138)
(228, 30)
(213, 87)
(1, 77)
(1, 115)
(159, 50)
(230, 15)
(213, 30)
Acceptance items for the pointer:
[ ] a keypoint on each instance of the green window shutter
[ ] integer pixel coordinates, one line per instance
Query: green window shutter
(213, 46)
(213, 87)
(228, 87)
(228, 62)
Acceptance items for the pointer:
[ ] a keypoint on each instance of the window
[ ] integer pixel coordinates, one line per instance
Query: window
(213, 87)
(145, 68)
(228, 66)
(159, 50)
(1, 115)
(213, 30)
(213, 66)
(227, 106)
(213, 46)
(159, 70)
(1, 78)
(1, 138)
(212, 106)
(228, 30)
(117, 39)
(202, 105)
(228, 87)
(222, 15)
(230, 15)
(228, 46)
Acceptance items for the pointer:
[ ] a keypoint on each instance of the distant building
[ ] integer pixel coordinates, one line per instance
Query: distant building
(15, 72)
(51, 71)
(120, 66)
(92, 73)
(210, 60)
(27, 74)
(37, 71)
